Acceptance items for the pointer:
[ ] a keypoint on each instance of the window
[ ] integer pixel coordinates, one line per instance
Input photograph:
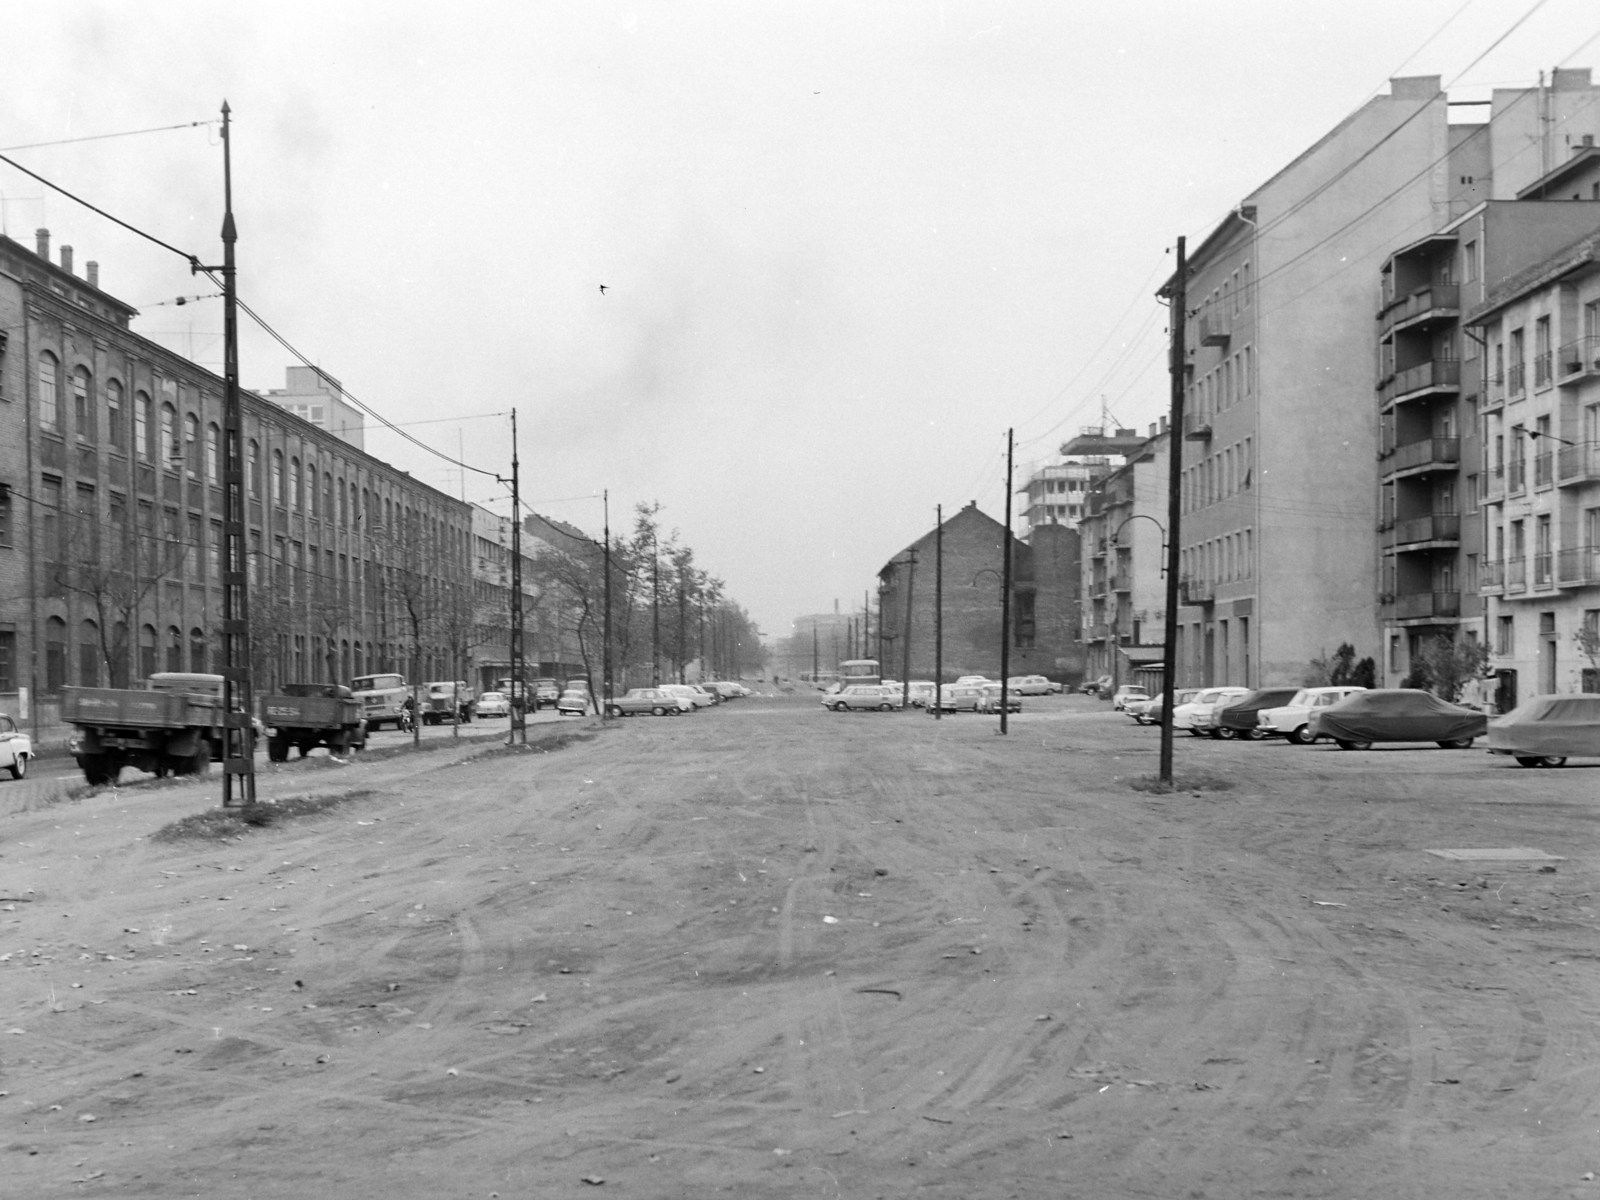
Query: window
(55, 654)
(191, 445)
(196, 547)
(52, 522)
(141, 427)
(1541, 352)
(49, 400)
(197, 650)
(1514, 375)
(89, 655)
(5, 524)
(147, 651)
(8, 660)
(213, 454)
(277, 477)
(295, 497)
(174, 648)
(1470, 261)
(114, 431)
(1505, 636)
(214, 553)
(83, 405)
(255, 468)
(169, 449)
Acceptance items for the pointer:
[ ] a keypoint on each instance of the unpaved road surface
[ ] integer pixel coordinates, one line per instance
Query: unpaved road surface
(770, 951)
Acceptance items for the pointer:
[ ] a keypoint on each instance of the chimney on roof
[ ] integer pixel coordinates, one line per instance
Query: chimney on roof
(41, 243)
(66, 259)
(1163, 424)
(92, 270)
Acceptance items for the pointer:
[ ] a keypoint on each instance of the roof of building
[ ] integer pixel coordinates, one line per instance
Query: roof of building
(1093, 439)
(1584, 159)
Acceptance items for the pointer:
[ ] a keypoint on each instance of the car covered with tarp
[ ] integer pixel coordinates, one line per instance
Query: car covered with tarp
(1547, 730)
(1397, 715)
(1242, 718)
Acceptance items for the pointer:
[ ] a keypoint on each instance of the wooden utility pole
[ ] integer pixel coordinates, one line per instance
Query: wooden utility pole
(519, 712)
(905, 651)
(1169, 650)
(1005, 595)
(605, 654)
(938, 609)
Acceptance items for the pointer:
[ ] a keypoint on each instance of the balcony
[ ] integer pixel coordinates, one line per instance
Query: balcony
(1122, 581)
(1098, 549)
(1492, 577)
(1578, 464)
(1426, 379)
(1411, 606)
(1494, 484)
(1543, 572)
(1196, 591)
(1493, 396)
(1440, 302)
(1097, 586)
(1542, 372)
(1516, 575)
(1216, 328)
(1544, 469)
(1428, 531)
(1197, 427)
(1578, 566)
(1096, 633)
(1519, 475)
(1430, 454)
(1516, 379)
(1578, 359)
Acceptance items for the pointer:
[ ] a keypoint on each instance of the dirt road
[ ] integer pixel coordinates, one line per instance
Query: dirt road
(770, 951)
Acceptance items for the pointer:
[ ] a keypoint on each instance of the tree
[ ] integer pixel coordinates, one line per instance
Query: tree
(1444, 664)
(1588, 639)
(1341, 670)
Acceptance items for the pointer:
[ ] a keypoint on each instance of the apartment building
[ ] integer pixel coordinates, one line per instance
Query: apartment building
(110, 531)
(1124, 566)
(1541, 513)
(1441, 401)
(1054, 493)
(1279, 542)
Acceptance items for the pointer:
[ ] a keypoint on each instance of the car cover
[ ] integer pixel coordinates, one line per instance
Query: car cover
(1550, 725)
(1245, 712)
(1397, 715)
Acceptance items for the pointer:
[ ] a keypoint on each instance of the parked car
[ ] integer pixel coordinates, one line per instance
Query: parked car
(1204, 721)
(545, 693)
(494, 704)
(1148, 712)
(16, 748)
(1293, 720)
(654, 701)
(695, 695)
(1547, 730)
(989, 699)
(574, 701)
(1242, 718)
(960, 697)
(922, 692)
(732, 691)
(1397, 715)
(1183, 715)
(1095, 687)
(968, 679)
(860, 696)
(1128, 691)
(1031, 685)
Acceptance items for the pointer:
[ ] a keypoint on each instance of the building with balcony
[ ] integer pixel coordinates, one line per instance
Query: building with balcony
(1124, 566)
(1543, 530)
(1055, 492)
(110, 537)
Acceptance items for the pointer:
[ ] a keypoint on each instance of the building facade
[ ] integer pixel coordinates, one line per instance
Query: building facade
(1045, 611)
(1541, 515)
(316, 396)
(1124, 566)
(1279, 542)
(1055, 493)
(110, 451)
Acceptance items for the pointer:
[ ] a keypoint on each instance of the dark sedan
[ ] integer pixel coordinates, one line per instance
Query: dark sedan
(1242, 718)
(1397, 715)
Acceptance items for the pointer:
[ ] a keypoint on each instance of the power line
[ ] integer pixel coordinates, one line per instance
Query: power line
(149, 237)
(97, 137)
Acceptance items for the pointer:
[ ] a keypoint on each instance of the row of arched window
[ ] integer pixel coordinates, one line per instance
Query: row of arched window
(95, 666)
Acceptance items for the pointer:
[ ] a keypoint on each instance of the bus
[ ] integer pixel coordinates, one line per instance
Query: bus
(859, 671)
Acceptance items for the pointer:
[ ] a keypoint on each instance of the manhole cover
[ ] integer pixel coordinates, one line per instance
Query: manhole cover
(1503, 853)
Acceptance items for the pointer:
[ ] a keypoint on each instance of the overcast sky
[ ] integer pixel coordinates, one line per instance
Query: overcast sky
(844, 245)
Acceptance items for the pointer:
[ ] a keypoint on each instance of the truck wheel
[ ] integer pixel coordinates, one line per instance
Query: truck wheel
(200, 763)
(19, 768)
(340, 746)
(95, 770)
(277, 749)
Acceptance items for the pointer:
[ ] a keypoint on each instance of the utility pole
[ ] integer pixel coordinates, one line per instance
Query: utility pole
(1178, 317)
(905, 651)
(519, 712)
(1005, 594)
(678, 654)
(238, 729)
(866, 625)
(605, 654)
(938, 609)
(815, 662)
(655, 612)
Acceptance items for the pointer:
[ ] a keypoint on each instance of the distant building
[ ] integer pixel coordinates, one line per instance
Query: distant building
(314, 395)
(1124, 567)
(1044, 602)
(1055, 493)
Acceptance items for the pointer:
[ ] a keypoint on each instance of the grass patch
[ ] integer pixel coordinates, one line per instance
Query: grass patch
(1193, 781)
(535, 745)
(216, 824)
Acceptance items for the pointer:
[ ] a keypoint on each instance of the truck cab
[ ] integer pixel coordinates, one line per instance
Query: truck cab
(446, 700)
(383, 699)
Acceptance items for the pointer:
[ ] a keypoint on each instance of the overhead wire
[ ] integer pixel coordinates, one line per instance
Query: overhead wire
(99, 137)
